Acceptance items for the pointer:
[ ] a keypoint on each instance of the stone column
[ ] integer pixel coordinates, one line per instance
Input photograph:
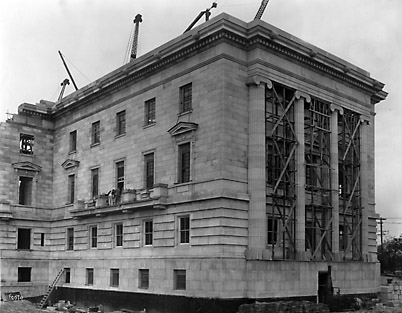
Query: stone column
(335, 179)
(364, 185)
(257, 216)
(300, 178)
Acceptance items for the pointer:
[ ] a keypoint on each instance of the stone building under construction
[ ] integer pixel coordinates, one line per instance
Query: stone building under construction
(233, 162)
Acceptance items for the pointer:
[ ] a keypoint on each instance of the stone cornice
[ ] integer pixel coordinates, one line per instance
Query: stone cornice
(220, 29)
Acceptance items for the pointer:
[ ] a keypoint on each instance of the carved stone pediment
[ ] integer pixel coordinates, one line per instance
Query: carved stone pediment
(182, 127)
(67, 164)
(27, 166)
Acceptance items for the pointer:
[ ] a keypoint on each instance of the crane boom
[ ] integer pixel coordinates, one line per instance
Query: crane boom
(68, 71)
(261, 9)
(137, 21)
(207, 15)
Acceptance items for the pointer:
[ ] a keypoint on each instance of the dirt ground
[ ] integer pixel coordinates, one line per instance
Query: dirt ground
(28, 307)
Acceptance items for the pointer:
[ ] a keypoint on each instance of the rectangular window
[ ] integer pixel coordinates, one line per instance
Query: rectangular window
(24, 274)
(118, 234)
(93, 233)
(179, 279)
(186, 98)
(184, 163)
(150, 111)
(26, 143)
(148, 233)
(25, 190)
(149, 170)
(90, 276)
(71, 189)
(143, 278)
(121, 123)
(42, 239)
(73, 141)
(95, 182)
(96, 132)
(343, 237)
(272, 231)
(67, 272)
(184, 229)
(120, 176)
(24, 239)
(114, 277)
(70, 238)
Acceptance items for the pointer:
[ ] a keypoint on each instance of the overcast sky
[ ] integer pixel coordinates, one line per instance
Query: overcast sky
(93, 35)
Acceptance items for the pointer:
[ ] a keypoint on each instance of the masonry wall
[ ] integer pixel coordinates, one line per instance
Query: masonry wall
(42, 156)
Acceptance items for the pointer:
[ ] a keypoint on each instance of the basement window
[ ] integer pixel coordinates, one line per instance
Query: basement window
(24, 274)
(26, 144)
(24, 239)
(67, 272)
(90, 276)
(114, 277)
(179, 279)
(143, 277)
(25, 190)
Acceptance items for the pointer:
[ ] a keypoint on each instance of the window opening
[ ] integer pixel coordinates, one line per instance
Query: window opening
(25, 190)
(184, 163)
(94, 236)
(67, 272)
(149, 170)
(148, 233)
(26, 143)
(73, 141)
(114, 277)
(90, 276)
(24, 239)
(272, 231)
(42, 239)
(96, 132)
(24, 274)
(179, 279)
(120, 176)
(143, 275)
(281, 143)
(71, 189)
(121, 123)
(119, 235)
(317, 142)
(184, 229)
(350, 206)
(150, 111)
(95, 182)
(186, 98)
(70, 238)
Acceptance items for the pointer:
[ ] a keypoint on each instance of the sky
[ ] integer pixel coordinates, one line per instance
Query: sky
(93, 36)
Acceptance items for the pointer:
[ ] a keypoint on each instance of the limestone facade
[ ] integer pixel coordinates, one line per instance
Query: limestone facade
(215, 221)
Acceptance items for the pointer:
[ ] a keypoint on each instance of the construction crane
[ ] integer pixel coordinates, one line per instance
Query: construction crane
(63, 87)
(137, 21)
(68, 71)
(207, 15)
(261, 9)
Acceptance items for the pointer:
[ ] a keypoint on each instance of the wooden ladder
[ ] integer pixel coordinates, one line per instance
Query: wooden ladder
(50, 289)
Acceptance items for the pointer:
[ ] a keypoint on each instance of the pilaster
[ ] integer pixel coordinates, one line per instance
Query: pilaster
(257, 219)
